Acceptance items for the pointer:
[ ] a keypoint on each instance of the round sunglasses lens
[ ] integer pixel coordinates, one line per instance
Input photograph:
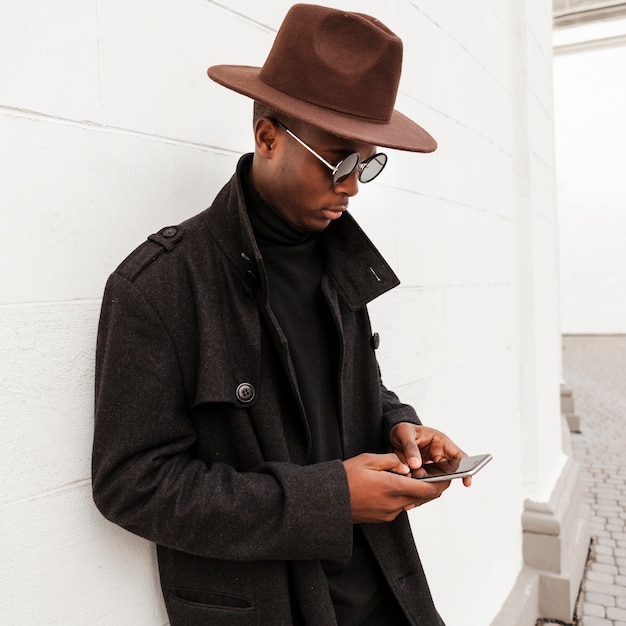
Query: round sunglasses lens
(373, 167)
(346, 167)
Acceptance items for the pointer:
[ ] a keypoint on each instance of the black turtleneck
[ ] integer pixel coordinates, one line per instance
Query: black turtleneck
(294, 263)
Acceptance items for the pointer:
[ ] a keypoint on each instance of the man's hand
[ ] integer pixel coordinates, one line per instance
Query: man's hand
(381, 487)
(416, 445)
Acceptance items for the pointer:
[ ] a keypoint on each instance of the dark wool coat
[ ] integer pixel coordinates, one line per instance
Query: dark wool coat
(200, 437)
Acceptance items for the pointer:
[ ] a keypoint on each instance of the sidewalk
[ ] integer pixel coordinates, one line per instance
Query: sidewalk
(594, 368)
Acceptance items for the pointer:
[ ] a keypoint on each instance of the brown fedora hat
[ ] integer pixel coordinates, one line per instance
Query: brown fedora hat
(336, 70)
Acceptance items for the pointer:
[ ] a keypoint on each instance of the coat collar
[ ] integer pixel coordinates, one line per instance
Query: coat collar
(353, 264)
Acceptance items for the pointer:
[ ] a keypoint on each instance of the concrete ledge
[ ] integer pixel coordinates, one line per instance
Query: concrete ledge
(567, 409)
(556, 536)
(550, 518)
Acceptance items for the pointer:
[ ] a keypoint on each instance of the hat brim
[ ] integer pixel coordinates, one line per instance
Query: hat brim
(400, 133)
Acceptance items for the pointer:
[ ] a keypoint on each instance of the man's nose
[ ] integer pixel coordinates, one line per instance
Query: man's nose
(350, 185)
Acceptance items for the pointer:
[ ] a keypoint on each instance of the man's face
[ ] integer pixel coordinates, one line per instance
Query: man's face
(302, 190)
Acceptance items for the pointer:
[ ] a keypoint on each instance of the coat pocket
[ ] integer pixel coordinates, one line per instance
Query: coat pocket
(208, 598)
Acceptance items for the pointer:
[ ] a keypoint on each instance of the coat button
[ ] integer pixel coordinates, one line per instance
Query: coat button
(375, 341)
(170, 231)
(245, 393)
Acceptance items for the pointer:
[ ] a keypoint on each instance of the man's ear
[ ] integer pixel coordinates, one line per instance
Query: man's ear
(265, 137)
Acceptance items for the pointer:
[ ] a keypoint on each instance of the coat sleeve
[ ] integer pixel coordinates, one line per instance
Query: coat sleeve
(147, 479)
(395, 411)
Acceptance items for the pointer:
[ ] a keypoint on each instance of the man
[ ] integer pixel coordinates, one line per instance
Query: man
(241, 423)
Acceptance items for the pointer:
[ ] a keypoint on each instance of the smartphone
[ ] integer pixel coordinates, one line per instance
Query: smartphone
(456, 468)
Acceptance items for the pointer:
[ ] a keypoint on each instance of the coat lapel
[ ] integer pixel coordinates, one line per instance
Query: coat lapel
(356, 268)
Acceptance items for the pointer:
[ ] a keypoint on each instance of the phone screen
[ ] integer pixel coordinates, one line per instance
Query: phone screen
(456, 467)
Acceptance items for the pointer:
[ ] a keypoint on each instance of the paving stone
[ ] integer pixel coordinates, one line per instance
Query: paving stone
(596, 621)
(603, 599)
(604, 568)
(612, 590)
(601, 577)
(604, 558)
(601, 549)
(607, 541)
(595, 610)
(616, 613)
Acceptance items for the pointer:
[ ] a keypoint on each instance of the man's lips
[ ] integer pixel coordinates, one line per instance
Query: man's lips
(336, 211)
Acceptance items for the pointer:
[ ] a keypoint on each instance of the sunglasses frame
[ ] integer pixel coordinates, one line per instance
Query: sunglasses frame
(359, 165)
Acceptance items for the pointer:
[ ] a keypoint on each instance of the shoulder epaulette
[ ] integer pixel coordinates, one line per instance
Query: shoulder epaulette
(158, 243)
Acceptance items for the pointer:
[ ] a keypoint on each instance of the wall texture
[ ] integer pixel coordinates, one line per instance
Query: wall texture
(110, 129)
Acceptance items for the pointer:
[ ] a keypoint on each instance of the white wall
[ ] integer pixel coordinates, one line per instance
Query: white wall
(110, 129)
(475, 322)
(590, 100)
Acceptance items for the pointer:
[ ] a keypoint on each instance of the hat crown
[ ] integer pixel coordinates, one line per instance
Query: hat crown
(349, 63)
(337, 71)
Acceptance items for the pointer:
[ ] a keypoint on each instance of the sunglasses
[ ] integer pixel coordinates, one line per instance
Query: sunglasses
(367, 170)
